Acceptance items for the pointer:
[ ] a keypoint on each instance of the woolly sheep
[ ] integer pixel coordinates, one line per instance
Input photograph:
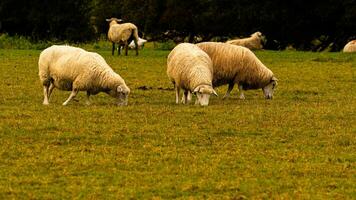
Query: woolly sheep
(189, 68)
(350, 46)
(141, 42)
(238, 65)
(74, 69)
(253, 42)
(122, 34)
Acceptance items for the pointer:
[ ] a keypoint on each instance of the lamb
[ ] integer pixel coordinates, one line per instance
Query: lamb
(350, 46)
(122, 34)
(253, 42)
(238, 65)
(141, 42)
(74, 69)
(191, 69)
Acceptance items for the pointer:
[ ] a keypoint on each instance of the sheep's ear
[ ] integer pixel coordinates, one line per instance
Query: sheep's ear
(119, 89)
(196, 90)
(274, 79)
(108, 20)
(214, 92)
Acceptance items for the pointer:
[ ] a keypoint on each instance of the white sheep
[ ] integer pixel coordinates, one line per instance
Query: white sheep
(350, 46)
(141, 42)
(238, 65)
(122, 34)
(74, 69)
(189, 68)
(253, 42)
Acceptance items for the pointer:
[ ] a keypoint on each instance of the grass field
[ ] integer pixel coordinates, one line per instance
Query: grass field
(300, 145)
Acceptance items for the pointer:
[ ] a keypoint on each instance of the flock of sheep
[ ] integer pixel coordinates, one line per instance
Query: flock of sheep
(195, 68)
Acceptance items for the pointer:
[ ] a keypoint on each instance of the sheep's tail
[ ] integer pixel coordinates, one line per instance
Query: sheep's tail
(43, 71)
(134, 37)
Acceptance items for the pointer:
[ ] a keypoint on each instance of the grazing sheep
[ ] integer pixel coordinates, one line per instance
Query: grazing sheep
(189, 68)
(253, 42)
(74, 69)
(350, 46)
(238, 65)
(122, 34)
(141, 42)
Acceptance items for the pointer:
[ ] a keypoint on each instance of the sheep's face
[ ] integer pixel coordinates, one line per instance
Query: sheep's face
(203, 93)
(269, 89)
(121, 93)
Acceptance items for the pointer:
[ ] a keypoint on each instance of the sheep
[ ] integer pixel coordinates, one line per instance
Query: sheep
(122, 34)
(141, 42)
(253, 42)
(350, 46)
(238, 65)
(74, 69)
(191, 69)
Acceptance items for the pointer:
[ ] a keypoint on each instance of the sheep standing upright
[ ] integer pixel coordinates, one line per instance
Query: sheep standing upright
(189, 68)
(74, 69)
(350, 46)
(253, 42)
(122, 34)
(238, 65)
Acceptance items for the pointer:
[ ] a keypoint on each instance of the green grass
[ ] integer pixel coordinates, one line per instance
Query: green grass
(300, 145)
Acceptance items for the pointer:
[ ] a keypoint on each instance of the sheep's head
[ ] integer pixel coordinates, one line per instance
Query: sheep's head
(113, 21)
(121, 93)
(269, 88)
(203, 93)
(257, 34)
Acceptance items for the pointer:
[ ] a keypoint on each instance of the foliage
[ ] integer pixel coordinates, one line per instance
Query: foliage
(294, 23)
(300, 145)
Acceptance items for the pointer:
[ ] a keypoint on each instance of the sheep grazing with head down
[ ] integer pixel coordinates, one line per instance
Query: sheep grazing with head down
(122, 34)
(238, 65)
(74, 69)
(191, 69)
(141, 42)
(253, 42)
(350, 46)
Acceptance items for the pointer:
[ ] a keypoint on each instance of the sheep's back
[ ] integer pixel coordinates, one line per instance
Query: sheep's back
(233, 63)
(122, 32)
(350, 46)
(187, 64)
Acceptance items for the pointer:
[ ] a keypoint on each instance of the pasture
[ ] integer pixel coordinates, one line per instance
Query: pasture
(300, 145)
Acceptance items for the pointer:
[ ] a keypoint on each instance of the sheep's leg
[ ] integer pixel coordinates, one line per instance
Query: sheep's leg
(88, 102)
(177, 93)
(71, 96)
(242, 96)
(119, 49)
(113, 48)
(50, 90)
(187, 97)
(45, 94)
(136, 47)
(126, 48)
(229, 89)
(184, 98)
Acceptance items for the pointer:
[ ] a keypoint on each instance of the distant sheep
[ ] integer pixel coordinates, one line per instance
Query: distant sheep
(141, 42)
(74, 69)
(254, 42)
(350, 46)
(238, 65)
(189, 68)
(122, 34)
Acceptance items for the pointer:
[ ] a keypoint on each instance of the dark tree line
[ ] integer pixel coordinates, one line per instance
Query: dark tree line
(293, 22)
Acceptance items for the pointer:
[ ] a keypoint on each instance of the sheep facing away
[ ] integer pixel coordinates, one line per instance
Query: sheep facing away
(190, 68)
(74, 69)
(350, 46)
(122, 34)
(238, 65)
(253, 42)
